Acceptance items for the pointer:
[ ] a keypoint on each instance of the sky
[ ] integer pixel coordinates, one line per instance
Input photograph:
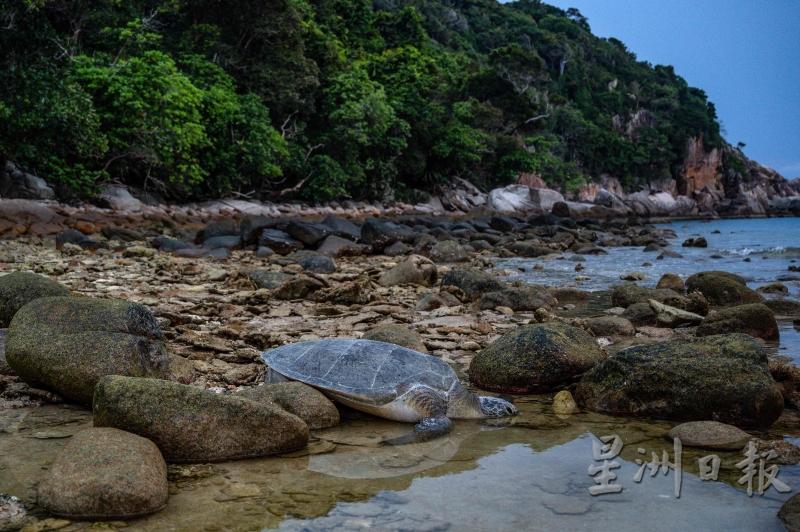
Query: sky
(744, 53)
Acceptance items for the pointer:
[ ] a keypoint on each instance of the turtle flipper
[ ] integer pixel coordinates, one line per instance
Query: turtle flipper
(427, 429)
(431, 406)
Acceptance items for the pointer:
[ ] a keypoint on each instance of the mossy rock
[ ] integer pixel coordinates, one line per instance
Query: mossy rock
(722, 378)
(20, 288)
(307, 403)
(471, 281)
(754, 319)
(722, 289)
(671, 281)
(105, 473)
(520, 298)
(535, 359)
(610, 326)
(629, 294)
(396, 333)
(190, 424)
(66, 344)
(784, 307)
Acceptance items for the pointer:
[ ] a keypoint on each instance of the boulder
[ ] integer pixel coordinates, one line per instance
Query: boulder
(722, 289)
(397, 249)
(190, 424)
(722, 378)
(432, 301)
(518, 298)
(19, 288)
(219, 228)
(511, 199)
(105, 473)
(308, 233)
(278, 241)
(447, 251)
(165, 243)
(227, 242)
(535, 359)
(640, 314)
(396, 333)
(774, 288)
(472, 282)
(336, 246)
(545, 199)
(784, 307)
(313, 261)
(342, 227)
(305, 402)
(66, 344)
(530, 249)
(73, 236)
(711, 435)
(118, 198)
(699, 242)
(15, 183)
(755, 319)
(671, 281)
(610, 326)
(378, 233)
(415, 269)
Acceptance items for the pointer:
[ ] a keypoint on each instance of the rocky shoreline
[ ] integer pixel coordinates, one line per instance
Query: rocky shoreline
(179, 305)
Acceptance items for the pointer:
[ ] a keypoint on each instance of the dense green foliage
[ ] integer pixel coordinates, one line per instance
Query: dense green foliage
(331, 98)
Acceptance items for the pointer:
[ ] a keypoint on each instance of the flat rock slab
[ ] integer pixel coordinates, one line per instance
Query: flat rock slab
(105, 473)
(711, 435)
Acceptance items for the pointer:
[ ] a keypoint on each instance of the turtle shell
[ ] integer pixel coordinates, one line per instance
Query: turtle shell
(366, 371)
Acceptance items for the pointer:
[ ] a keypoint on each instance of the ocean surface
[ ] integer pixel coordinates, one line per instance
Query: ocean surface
(761, 250)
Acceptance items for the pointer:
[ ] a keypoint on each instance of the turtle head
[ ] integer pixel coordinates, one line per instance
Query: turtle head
(496, 407)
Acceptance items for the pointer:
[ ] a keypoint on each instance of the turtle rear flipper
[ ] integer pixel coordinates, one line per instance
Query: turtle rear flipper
(427, 429)
(431, 406)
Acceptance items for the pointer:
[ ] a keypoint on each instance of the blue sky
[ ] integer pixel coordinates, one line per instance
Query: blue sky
(744, 53)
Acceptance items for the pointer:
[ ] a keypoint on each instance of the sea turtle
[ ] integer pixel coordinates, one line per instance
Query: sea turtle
(386, 380)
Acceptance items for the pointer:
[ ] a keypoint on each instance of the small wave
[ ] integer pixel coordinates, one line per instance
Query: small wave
(773, 251)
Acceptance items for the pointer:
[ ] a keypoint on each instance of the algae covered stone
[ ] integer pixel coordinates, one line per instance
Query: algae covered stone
(66, 344)
(535, 358)
(722, 289)
(19, 288)
(190, 424)
(564, 404)
(105, 473)
(710, 435)
(754, 319)
(722, 378)
(307, 403)
(471, 281)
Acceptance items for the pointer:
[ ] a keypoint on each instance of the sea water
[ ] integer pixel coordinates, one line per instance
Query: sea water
(760, 250)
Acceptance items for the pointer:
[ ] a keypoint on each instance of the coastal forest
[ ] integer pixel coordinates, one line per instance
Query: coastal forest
(332, 99)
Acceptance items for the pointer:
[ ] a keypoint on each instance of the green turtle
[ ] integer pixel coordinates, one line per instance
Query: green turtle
(385, 380)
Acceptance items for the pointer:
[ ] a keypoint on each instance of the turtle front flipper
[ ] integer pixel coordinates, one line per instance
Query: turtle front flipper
(428, 404)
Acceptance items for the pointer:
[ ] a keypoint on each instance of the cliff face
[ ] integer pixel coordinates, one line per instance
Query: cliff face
(701, 169)
(717, 181)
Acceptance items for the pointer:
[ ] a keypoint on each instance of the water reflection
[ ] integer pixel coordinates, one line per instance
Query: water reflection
(529, 474)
